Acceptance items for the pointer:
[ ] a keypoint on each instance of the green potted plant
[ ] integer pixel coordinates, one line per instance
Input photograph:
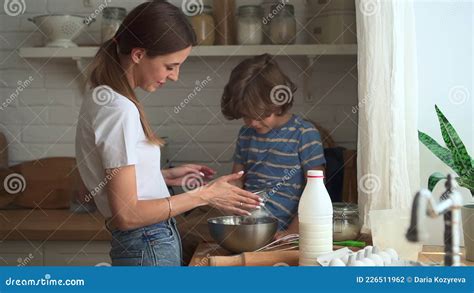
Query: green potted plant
(455, 156)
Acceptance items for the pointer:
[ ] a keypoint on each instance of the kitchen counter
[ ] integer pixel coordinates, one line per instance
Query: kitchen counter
(207, 254)
(51, 225)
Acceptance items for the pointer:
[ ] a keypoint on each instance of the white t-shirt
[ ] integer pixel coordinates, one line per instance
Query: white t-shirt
(109, 135)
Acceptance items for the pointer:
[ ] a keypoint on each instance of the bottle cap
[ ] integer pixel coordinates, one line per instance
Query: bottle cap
(315, 174)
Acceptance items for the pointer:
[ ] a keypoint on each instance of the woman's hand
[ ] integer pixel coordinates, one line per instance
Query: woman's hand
(188, 175)
(225, 196)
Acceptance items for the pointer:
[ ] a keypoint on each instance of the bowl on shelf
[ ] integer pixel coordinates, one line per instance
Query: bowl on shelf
(241, 233)
(61, 29)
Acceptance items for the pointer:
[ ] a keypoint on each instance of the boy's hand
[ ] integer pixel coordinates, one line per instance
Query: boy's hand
(238, 182)
(293, 228)
(281, 234)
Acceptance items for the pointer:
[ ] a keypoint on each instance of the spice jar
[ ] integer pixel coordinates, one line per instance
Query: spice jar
(204, 26)
(346, 224)
(283, 24)
(250, 27)
(112, 18)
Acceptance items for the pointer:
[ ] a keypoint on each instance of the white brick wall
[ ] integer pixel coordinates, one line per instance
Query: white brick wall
(40, 121)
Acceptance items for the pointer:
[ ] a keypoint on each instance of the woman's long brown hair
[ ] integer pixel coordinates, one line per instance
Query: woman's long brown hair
(158, 27)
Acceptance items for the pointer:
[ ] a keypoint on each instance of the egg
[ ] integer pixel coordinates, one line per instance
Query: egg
(336, 262)
(377, 259)
(393, 254)
(368, 250)
(353, 262)
(345, 258)
(387, 259)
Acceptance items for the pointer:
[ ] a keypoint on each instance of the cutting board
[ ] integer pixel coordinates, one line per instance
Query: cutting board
(50, 183)
(249, 259)
(5, 198)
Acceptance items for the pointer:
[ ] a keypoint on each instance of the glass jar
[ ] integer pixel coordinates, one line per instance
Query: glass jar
(204, 26)
(262, 211)
(283, 24)
(112, 18)
(250, 26)
(346, 224)
(267, 8)
(224, 16)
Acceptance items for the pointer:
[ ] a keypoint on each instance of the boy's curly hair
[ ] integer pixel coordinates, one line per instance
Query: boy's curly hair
(256, 89)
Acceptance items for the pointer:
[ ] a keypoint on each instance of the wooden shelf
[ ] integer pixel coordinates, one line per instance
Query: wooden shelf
(204, 51)
(27, 224)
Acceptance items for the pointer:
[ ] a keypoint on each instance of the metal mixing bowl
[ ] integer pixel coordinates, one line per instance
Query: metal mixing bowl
(240, 234)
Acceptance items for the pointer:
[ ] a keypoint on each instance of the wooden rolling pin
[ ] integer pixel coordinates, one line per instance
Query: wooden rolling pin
(264, 258)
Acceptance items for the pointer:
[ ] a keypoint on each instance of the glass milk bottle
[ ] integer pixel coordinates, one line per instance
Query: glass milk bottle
(315, 214)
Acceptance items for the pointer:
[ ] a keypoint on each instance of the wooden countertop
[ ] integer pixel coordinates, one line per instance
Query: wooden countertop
(206, 252)
(40, 224)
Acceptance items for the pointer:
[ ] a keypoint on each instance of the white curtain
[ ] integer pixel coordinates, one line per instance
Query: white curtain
(388, 159)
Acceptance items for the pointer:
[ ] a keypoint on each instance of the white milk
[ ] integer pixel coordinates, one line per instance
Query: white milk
(315, 220)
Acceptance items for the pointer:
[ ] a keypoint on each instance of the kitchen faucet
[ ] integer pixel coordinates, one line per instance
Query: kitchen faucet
(450, 207)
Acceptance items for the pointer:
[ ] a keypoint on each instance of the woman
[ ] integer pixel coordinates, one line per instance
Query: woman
(118, 154)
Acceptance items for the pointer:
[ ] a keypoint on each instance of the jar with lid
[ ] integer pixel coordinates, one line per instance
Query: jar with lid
(267, 8)
(262, 211)
(224, 16)
(250, 27)
(204, 26)
(283, 24)
(112, 18)
(346, 224)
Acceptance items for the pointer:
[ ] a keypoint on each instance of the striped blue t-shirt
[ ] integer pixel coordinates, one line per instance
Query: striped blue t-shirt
(278, 161)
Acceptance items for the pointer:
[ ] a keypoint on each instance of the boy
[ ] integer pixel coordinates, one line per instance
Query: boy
(275, 148)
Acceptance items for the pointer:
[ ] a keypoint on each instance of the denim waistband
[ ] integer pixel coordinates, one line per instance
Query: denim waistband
(169, 222)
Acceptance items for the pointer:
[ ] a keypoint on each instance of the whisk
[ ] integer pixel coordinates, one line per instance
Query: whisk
(290, 239)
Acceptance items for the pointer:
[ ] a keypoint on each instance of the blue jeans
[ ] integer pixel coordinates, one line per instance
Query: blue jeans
(154, 245)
